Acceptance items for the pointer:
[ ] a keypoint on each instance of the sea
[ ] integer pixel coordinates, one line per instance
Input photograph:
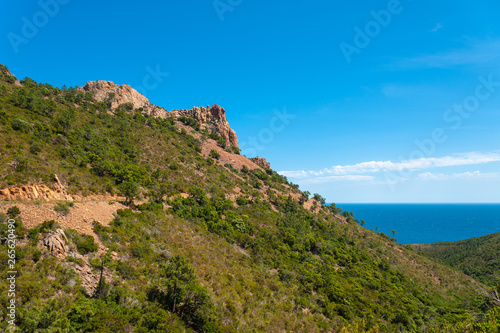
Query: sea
(428, 223)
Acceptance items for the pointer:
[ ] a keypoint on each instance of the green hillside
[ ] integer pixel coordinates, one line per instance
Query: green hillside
(203, 246)
(477, 257)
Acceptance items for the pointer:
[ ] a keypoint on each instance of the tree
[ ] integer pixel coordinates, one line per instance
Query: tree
(158, 191)
(319, 198)
(177, 275)
(377, 229)
(214, 154)
(393, 233)
(66, 119)
(129, 190)
(362, 222)
(105, 258)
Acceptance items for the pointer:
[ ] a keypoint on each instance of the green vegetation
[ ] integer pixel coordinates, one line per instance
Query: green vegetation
(84, 243)
(477, 257)
(189, 258)
(63, 207)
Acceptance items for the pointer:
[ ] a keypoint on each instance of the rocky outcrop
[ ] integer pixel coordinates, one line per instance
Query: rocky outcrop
(115, 95)
(211, 118)
(55, 242)
(6, 71)
(261, 161)
(35, 192)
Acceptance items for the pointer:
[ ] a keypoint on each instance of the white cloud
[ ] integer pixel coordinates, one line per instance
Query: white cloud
(327, 179)
(389, 166)
(438, 26)
(475, 53)
(458, 176)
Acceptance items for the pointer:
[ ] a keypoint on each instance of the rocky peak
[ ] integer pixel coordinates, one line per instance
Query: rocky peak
(262, 162)
(6, 71)
(212, 118)
(107, 91)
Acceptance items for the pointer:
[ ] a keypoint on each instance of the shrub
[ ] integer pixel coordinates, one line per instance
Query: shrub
(235, 150)
(129, 190)
(47, 226)
(63, 207)
(35, 148)
(20, 125)
(37, 255)
(13, 211)
(214, 154)
(240, 225)
(260, 174)
(151, 207)
(319, 198)
(241, 201)
(84, 243)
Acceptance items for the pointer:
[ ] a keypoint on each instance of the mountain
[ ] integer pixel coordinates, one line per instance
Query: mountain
(211, 118)
(477, 257)
(131, 218)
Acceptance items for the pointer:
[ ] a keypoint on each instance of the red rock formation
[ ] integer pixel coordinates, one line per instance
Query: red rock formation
(56, 243)
(34, 192)
(262, 162)
(121, 95)
(211, 118)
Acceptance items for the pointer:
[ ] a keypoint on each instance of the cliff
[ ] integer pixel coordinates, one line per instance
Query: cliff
(212, 118)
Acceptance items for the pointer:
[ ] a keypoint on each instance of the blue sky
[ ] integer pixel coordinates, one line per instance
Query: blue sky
(369, 101)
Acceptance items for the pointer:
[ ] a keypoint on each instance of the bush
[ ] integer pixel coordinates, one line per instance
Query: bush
(48, 226)
(241, 201)
(151, 207)
(319, 198)
(260, 174)
(35, 148)
(63, 207)
(13, 211)
(129, 190)
(214, 154)
(84, 243)
(20, 125)
(37, 255)
(235, 150)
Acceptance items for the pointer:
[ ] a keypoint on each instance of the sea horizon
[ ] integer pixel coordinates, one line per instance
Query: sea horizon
(419, 223)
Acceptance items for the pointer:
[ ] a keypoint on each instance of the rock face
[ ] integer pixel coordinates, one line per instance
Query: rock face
(117, 95)
(55, 242)
(211, 118)
(262, 162)
(6, 71)
(34, 192)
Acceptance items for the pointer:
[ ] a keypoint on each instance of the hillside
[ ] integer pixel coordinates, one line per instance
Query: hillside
(477, 257)
(189, 235)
